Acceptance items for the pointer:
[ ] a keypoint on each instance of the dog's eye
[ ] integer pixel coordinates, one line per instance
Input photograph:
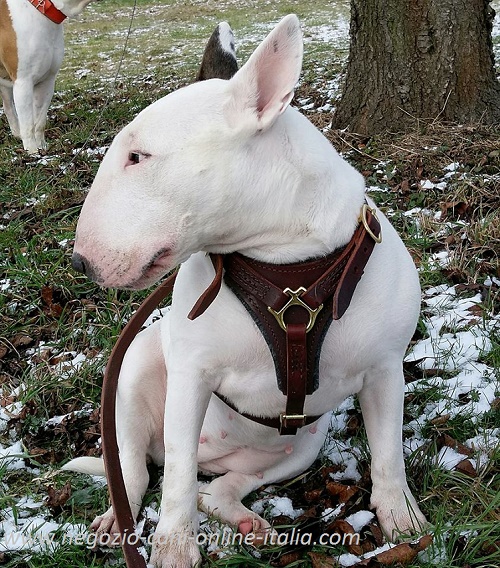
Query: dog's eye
(136, 158)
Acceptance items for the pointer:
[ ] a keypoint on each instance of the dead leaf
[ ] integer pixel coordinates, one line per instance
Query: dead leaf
(55, 360)
(3, 351)
(467, 468)
(310, 513)
(355, 549)
(418, 165)
(377, 533)
(37, 452)
(322, 560)
(454, 210)
(476, 310)
(448, 441)
(367, 546)
(53, 308)
(403, 553)
(313, 495)
(440, 420)
(6, 400)
(353, 425)
(491, 548)
(326, 471)
(405, 187)
(22, 340)
(288, 558)
(341, 491)
(57, 497)
(339, 526)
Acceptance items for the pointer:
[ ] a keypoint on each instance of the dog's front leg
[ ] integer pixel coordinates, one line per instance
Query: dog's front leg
(42, 95)
(10, 110)
(174, 543)
(23, 99)
(381, 399)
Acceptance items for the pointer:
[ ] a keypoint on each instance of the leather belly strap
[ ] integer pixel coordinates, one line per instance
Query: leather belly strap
(293, 305)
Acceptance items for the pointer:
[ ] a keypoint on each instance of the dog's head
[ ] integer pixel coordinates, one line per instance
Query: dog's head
(194, 171)
(71, 8)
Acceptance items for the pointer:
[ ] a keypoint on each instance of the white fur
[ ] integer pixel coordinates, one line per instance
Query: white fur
(40, 49)
(226, 39)
(226, 166)
(91, 466)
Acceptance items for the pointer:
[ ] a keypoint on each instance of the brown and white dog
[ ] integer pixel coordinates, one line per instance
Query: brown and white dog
(31, 52)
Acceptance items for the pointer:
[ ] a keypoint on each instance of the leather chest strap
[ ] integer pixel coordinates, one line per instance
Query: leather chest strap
(355, 254)
(271, 422)
(351, 260)
(296, 350)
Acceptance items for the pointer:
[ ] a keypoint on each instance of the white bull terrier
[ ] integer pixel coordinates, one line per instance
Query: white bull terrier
(216, 167)
(31, 53)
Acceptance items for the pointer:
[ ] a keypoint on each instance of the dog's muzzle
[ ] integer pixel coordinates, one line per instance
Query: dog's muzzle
(82, 265)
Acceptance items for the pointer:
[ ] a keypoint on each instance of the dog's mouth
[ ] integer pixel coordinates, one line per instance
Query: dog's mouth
(160, 263)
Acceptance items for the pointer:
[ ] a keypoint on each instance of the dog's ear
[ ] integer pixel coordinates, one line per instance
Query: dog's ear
(219, 60)
(264, 86)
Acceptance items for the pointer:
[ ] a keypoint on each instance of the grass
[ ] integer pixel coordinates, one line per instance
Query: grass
(48, 314)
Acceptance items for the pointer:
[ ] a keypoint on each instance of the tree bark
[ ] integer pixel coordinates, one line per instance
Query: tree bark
(418, 60)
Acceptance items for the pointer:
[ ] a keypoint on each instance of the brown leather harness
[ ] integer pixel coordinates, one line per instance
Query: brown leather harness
(292, 304)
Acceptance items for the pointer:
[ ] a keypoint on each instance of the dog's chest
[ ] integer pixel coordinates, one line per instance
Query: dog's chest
(253, 388)
(242, 369)
(225, 348)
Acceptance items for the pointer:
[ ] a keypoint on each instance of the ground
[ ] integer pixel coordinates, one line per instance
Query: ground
(440, 186)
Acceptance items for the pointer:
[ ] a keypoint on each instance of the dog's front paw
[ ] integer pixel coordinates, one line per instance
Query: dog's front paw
(174, 551)
(398, 513)
(106, 529)
(256, 530)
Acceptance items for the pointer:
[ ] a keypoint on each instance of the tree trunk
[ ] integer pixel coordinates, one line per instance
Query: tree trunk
(413, 60)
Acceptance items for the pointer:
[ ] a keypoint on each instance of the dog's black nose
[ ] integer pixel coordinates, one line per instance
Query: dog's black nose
(79, 263)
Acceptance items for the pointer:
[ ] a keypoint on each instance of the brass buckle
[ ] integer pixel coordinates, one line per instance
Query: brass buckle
(295, 300)
(284, 417)
(362, 218)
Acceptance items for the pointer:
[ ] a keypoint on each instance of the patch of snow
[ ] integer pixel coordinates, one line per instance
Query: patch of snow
(360, 519)
(279, 506)
(57, 420)
(330, 514)
(448, 458)
(450, 351)
(348, 559)
(284, 506)
(491, 280)
(12, 457)
(428, 184)
(342, 453)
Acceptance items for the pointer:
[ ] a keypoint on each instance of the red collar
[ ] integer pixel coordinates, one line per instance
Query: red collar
(47, 8)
